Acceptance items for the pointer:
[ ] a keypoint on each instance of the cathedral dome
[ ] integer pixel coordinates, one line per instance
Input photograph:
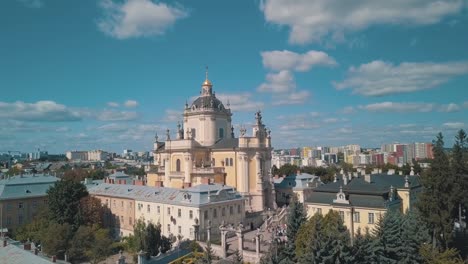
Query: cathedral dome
(207, 102)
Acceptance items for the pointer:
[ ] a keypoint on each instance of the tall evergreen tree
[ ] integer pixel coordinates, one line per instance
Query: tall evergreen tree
(296, 216)
(413, 235)
(363, 248)
(436, 201)
(391, 237)
(64, 202)
(460, 170)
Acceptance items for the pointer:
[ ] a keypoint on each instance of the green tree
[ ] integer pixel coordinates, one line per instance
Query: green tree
(153, 239)
(296, 216)
(102, 246)
(288, 169)
(64, 202)
(35, 229)
(81, 242)
(208, 255)
(413, 235)
(460, 170)
(390, 237)
(436, 202)
(56, 238)
(363, 248)
(274, 170)
(432, 255)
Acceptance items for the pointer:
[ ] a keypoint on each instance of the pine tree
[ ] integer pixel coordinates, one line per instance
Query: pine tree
(208, 255)
(413, 235)
(363, 250)
(335, 247)
(296, 216)
(391, 237)
(460, 170)
(436, 202)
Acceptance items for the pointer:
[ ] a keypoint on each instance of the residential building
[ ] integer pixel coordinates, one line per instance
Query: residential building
(362, 199)
(185, 212)
(77, 155)
(21, 197)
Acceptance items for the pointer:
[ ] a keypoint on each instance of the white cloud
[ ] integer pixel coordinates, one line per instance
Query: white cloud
(41, 111)
(113, 104)
(138, 18)
(113, 127)
(110, 115)
(330, 120)
(348, 110)
(287, 60)
(454, 125)
(291, 98)
(172, 115)
(379, 78)
(281, 82)
(131, 103)
(242, 102)
(32, 3)
(449, 108)
(311, 21)
(398, 107)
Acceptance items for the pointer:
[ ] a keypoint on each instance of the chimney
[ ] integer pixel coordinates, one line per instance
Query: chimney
(188, 184)
(391, 171)
(400, 173)
(345, 180)
(298, 172)
(375, 171)
(367, 178)
(205, 180)
(54, 259)
(36, 251)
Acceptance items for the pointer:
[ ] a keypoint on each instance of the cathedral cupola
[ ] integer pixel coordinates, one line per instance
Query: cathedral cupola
(207, 85)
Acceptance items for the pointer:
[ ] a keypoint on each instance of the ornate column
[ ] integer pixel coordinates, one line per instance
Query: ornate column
(240, 237)
(208, 232)
(257, 243)
(223, 242)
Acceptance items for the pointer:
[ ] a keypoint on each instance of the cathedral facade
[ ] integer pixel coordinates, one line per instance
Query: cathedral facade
(205, 149)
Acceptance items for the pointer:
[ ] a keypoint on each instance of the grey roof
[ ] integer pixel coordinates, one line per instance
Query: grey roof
(208, 102)
(226, 143)
(300, 181)
(14, 254)
(26, 186)
(194, 196)
(361, 193)
(380, 184)
(373, 201)
(119, 175)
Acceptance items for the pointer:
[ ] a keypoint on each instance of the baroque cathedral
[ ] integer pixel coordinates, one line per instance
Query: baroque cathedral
(205, 149)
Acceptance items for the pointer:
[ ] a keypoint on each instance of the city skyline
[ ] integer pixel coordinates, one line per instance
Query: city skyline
(109, 74)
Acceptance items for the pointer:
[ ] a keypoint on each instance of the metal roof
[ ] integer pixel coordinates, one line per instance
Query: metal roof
(195, 196)
(26, 186)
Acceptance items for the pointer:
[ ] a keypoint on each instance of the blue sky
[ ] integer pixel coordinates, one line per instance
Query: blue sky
(108, 74)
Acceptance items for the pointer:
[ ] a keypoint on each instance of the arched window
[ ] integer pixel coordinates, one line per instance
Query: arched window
(231, 162)
(227, 162)
(221, 133)
(178, 165)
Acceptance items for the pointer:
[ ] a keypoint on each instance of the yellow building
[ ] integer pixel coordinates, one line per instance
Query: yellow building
(205, 148)
(362, 200)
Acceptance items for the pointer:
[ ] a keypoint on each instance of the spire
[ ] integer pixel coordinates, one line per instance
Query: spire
(206, 86)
